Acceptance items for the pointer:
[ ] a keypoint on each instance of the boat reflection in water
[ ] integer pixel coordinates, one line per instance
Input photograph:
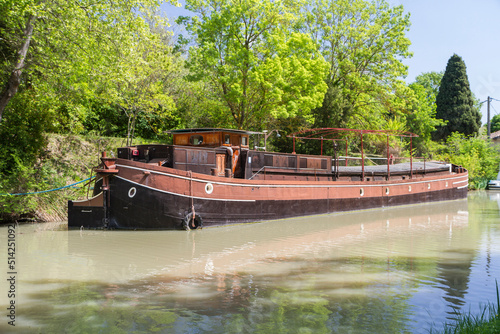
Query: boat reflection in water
(247, 248)
(322, 265)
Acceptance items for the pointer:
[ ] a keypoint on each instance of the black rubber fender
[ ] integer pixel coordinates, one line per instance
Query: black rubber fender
(189, 224)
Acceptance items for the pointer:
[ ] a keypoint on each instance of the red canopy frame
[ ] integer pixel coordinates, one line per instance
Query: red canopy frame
(321, 133)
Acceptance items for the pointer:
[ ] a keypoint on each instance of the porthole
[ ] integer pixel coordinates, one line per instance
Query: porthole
(132, 191)
(409, 188)
(209, 188)
(446, 184)
(387, 191)
(428, 186)
(361, 192)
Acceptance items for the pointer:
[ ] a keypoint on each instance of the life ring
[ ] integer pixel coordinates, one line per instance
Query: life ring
(189, 224)
(209, 188)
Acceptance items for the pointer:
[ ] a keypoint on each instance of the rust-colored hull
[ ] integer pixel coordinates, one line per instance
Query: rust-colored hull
(144, 196)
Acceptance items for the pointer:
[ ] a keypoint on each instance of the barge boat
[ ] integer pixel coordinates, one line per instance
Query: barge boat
(211, 177)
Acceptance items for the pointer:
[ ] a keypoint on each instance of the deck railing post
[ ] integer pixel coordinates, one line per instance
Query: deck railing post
(321, 145)
(335, 160)
(362, 159)
(388, 160)
(293, 144)
(346, 152)
(411, 157)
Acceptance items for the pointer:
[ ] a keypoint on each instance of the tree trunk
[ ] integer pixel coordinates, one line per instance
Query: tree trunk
(15, 77)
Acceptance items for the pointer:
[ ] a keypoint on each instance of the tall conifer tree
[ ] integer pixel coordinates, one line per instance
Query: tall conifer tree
(454, 102)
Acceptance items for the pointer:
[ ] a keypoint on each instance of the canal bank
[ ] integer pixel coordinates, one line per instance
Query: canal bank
(45, 190)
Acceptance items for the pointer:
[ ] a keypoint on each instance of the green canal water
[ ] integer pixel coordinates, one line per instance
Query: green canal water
(398, 270)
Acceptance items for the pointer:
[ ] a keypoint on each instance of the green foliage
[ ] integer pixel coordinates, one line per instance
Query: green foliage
(111, 121)
(258, 66)
(22, 132)
(431, 82)
(364, 44)
(63, 56)
(477, 155)
(22, 143)
(113, 52)
(495, 123)
(420, 118)
(21, 177)
(454, 102)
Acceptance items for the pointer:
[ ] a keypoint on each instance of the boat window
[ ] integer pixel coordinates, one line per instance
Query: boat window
(244, 141)
(227, 139)
(196, 140)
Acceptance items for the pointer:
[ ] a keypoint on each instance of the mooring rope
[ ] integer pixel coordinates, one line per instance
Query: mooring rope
(46, 191)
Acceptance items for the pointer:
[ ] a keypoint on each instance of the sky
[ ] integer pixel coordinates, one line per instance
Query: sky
(440, 28)
(468, 28)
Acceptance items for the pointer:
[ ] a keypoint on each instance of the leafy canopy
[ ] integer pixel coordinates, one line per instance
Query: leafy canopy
(431, 82)
(75, 50)
(258, 66)
(495, 123)
(364, 44)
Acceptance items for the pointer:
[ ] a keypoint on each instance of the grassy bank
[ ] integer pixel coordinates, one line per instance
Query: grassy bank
(488, 321)
(67, 159)
(70, 159)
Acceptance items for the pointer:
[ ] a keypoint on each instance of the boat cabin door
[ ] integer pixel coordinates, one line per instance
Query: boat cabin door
(220, 164)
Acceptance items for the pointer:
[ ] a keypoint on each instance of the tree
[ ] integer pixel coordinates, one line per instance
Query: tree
(72, 46)
(454, 102)
(495, 123)
(143, 89)
(431, 82)
(258, 66)
(477, 155)
(421, 118)
(364, 44)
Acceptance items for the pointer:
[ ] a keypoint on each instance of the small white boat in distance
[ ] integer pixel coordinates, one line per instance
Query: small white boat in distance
(494, 184)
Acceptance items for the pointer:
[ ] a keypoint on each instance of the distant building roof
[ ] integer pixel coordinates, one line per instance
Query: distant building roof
(495, 135)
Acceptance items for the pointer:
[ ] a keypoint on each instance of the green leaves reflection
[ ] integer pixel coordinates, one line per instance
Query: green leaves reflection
(83, 307)
(300, 303)
(294, 312)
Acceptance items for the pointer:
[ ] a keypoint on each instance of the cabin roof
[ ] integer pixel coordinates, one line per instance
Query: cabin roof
(212, 130)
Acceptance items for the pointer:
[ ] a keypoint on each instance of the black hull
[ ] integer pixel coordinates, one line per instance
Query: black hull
(150, 208)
